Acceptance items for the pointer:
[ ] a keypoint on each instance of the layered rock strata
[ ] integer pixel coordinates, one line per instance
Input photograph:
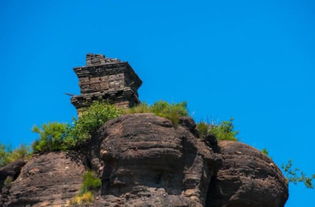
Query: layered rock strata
(145, 160)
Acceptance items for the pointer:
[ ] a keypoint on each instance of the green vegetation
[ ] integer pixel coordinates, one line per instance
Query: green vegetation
(3, 155)
(7, 155)
(91, 184)
(57, 136)
(7, 182)
(52, 137)
(92, 118)
(265, 152)
(163, 109)
(61, 137)
(295, 175)
(222, 131)
(85, 198)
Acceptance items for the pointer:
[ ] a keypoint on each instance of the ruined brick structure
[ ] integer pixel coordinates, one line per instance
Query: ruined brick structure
(107, 79)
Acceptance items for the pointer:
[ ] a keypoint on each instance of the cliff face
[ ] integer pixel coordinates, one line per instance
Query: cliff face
(144, 160)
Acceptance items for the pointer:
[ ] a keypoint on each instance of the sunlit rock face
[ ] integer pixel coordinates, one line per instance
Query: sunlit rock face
(247, 178)
(147, 161)
(50, 179)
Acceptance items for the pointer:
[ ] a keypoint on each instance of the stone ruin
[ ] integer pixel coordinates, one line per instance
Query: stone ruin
(106, 79)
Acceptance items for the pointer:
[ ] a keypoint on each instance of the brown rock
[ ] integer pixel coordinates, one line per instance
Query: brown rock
(146, 161)
(46, 180)
(9, 173)
(11, 170)
(247, 178)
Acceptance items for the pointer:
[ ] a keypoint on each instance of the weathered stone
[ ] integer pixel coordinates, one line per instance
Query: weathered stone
(247, 178)
(106, 79)
(46, 180)
(146, 161)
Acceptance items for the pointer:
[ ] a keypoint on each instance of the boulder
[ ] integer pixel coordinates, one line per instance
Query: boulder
(50, 179)
(247, 178)
(144, 160)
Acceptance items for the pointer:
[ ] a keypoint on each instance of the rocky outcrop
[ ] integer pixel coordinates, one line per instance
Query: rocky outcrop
(145, 160)
(247, 178)
(46, 180)
(11, 171)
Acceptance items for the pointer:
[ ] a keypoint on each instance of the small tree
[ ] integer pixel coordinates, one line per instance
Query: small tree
(51, 137)
(295, 175)
(7, 155)
(60, 137)
(92, 118)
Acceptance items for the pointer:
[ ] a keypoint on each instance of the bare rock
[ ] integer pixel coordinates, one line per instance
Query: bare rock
(9, 173)
(46, 180)
(247, 178)
(146, 161)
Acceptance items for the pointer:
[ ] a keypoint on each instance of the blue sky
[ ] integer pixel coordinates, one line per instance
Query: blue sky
(251, 60)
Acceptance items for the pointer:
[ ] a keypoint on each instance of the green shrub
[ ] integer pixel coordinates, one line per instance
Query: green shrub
(163, 109)
(22, 152)
(52, 137)
(3, 155)
(203, 129)
(7, 155)
(92, 118)
(90, 182)
(222, 131)
(295, 175)
(265, 152)
(170, 111)
(60, 136)
(140, 108)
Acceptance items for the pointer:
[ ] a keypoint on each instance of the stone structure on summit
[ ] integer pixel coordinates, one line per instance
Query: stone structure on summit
(106, 79)
(142, 159)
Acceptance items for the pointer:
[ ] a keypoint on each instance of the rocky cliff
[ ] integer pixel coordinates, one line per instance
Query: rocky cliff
(144, 160)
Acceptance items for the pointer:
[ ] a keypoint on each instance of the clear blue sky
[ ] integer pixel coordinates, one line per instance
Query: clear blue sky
(251, 60)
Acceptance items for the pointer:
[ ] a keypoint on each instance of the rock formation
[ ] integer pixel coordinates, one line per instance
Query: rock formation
(144, 160)
(46, 180)
(246, 178)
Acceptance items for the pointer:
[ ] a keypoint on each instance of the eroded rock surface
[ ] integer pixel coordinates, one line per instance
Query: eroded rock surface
(46, 180)
(247, 178)
(11, 171)
(144, 160)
